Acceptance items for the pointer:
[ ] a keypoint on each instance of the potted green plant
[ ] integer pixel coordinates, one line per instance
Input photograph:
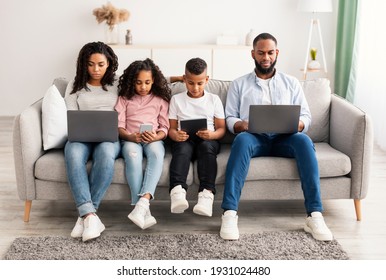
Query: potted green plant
(313, 64)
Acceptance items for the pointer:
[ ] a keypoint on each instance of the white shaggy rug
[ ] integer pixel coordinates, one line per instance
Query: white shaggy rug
(290, 245)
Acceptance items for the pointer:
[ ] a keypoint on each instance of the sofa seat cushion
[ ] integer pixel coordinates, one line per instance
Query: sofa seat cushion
(51, 167)
(332, 163)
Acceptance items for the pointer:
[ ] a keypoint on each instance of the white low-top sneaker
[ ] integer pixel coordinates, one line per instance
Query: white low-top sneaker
(229, 229)
(77, 231)
(204, 204)
(178, 200)
(93, 227)
(317, 227)
(137, 216)
(149, 220)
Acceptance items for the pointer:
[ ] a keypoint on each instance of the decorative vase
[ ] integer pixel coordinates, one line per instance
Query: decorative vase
(129, 37)
(314, 65)
(250, 37)
(112, 34)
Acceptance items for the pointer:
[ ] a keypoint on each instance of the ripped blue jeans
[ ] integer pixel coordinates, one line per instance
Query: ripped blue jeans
(142, 182)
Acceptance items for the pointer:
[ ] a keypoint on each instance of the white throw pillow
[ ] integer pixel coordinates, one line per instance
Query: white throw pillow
(54, 119)
(318, 95)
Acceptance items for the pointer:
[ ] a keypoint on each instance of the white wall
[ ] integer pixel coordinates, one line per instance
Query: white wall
(40, 39)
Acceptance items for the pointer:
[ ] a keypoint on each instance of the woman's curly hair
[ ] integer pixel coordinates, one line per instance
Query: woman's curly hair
(82, 76)
(126, 86)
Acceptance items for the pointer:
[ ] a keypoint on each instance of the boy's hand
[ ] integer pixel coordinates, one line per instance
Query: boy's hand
(205, 134)
(181, 136)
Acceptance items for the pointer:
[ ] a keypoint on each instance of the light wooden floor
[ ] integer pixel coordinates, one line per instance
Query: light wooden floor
(361, 240)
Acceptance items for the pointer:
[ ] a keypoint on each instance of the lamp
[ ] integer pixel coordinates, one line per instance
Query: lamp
(314, 6)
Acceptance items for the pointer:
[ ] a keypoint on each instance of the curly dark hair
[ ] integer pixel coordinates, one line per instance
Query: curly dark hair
(196, 66)
(82, 76)
(126, 86)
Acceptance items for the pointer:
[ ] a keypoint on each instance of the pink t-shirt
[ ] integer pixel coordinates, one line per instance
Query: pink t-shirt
(139, 109)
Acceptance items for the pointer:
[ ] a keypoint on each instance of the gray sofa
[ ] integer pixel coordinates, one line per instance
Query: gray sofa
(342, 134)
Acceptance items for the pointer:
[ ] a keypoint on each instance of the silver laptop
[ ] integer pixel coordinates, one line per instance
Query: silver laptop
(283, 119)
(92, 126)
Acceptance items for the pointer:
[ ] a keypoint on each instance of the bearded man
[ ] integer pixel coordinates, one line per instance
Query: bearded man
(264, 86)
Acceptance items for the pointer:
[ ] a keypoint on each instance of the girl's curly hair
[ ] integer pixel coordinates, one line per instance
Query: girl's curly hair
(126, 86)
(82, 76)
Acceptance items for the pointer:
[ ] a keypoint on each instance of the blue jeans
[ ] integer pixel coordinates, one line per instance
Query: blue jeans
(246, 146)
(139, 182)
(89, 189)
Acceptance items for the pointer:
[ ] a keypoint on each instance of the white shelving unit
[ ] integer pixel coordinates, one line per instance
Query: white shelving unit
(224, 62)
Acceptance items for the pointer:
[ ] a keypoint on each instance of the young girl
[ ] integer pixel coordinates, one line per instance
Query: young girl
(94, 88)
(143, 98)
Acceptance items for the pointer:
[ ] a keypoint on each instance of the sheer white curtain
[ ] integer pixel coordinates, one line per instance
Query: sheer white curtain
(368, 76)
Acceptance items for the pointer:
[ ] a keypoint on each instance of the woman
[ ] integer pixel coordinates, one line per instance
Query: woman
(94, 88)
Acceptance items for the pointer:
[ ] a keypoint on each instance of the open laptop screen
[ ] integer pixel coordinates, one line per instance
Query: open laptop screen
(92, 126)
(274, 118)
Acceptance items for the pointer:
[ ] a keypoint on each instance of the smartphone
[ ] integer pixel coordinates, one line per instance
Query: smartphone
(145, 127)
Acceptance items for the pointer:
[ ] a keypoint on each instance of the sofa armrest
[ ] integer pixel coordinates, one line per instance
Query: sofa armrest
(351, 132)
(27, 148)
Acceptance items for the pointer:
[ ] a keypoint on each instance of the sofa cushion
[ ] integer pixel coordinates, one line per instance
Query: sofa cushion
(51, 167)
(214, 86)
(318, 95)
(61, 85)
(54, 119)
(332, 163)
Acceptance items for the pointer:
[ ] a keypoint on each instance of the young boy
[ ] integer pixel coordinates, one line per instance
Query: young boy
(202, 146)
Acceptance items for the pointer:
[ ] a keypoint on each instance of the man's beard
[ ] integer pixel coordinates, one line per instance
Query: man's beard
(265, 71)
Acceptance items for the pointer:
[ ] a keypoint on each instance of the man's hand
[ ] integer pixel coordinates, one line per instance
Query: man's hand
(301, 126)
(240, 126)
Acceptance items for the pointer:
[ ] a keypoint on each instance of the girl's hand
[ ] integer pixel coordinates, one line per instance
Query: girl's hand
(205, 134)
(134, 137)
(181, 136)
(149, 136)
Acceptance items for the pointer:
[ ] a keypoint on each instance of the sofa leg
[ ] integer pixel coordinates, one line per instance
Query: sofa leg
(27, 210)
(358, 210)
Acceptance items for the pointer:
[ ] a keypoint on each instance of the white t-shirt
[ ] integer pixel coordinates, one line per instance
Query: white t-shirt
(266, 100)
(209, 106)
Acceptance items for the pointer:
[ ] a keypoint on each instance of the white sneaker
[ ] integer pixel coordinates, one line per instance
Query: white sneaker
(137, 216)
(93, 227)
(229, 229)
(149, 220)
(77, 231)
(317, 227)
(178, 200)
(204, 204)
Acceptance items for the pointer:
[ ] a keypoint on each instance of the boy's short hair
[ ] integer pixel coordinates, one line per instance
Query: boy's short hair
(196, 66)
